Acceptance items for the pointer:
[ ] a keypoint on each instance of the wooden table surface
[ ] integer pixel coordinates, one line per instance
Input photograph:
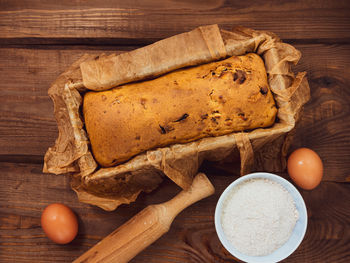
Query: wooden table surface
(38, 41)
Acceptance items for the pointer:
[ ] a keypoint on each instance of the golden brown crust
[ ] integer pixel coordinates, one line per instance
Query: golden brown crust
(208, 100)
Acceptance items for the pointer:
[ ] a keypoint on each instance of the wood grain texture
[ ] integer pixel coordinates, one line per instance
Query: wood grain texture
(28, 127)
(125, 21)
(325, 124)
(27, 124)
(191, 238)
(40, 39)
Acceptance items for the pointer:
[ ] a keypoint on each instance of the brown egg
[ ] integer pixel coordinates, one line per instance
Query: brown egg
(59, 223)
(305, 168)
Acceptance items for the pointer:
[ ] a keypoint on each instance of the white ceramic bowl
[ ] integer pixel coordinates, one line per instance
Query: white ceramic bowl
(296, 237)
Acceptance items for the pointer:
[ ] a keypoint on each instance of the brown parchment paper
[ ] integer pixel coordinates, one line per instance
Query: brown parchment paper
(259, 149)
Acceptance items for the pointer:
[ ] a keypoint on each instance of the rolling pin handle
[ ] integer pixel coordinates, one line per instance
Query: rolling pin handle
(146, 227)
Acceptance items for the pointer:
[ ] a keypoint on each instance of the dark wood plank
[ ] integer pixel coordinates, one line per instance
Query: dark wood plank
(40, 39)
(325, 124)
(146, 21)
(28, 128)
(27, 124)
(25, 191)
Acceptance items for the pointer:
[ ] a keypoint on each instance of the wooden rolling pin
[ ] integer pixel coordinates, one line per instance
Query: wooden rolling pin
(146, 227)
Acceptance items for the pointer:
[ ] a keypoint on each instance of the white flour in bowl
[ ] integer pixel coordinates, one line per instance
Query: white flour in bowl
(258, 217)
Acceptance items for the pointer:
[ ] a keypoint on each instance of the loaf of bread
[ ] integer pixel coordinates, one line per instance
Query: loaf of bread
(182, 106)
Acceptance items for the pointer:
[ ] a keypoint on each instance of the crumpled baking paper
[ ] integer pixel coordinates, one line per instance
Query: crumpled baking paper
(259, 149)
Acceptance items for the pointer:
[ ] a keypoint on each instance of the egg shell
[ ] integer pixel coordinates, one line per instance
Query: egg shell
(59, 223)
(305, 168)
